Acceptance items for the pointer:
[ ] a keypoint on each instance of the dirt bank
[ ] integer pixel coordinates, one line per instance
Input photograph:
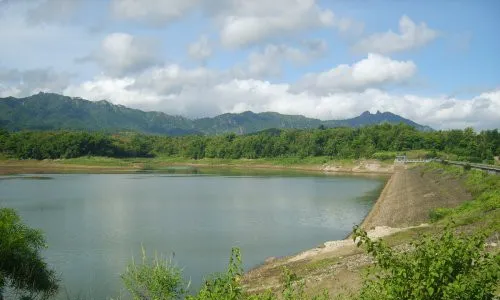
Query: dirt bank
(8, 167)
(408, 197)
(11, 167)
(401, 211)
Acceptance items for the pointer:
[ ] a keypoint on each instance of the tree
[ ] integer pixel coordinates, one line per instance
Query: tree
(21, 265)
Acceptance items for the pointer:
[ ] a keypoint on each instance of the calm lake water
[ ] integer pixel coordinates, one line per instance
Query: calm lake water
(95, 224)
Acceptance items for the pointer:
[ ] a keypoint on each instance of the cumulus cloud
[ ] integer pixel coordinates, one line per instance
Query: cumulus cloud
(201, 92)
(173, 79)
(410, 36)
(121, 53)
(21, 83)
(155, 12)
(374, 71)
(241, 22)
(200, 50)
(271, 59)
(250, 22)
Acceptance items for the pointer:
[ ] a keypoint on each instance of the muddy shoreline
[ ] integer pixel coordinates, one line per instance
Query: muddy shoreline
(17, 167)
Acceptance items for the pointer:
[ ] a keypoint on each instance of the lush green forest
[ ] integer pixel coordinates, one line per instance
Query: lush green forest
(365, 142)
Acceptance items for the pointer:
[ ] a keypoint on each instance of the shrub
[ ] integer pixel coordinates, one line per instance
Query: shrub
(21, 265)
(445, 267)
(224, 286)
(158, 279)
(439, 213)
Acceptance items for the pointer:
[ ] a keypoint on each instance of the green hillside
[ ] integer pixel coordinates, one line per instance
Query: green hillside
(46, 111)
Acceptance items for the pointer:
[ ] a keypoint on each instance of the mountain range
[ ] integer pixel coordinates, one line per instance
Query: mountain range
(48, 111)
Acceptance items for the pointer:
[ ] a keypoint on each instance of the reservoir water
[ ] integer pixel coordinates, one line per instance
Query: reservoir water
(95, 224)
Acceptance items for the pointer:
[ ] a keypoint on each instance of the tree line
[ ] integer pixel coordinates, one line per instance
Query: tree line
(341, 143)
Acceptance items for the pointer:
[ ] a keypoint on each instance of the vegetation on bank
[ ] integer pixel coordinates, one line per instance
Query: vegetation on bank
(377, 141)
(483, 211)
(448, 266)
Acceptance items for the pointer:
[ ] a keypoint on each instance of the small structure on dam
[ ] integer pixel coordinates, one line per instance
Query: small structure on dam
(403, 159)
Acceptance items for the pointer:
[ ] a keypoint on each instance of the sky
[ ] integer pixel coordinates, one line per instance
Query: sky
(435, 62)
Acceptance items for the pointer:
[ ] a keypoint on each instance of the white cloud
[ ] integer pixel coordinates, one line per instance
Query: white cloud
(201, 92)
(411, 36)
(201, 49)
(21, 83)
(115, 90)
(251, 22)
(270, 60)
(122, 53)
(374, 71)
(155, 12)
(173, 79)
(241, 22)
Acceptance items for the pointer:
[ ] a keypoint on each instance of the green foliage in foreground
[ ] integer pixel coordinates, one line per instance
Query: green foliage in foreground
(443, 267)
(162, 281)
(157, 280)
(21, 265)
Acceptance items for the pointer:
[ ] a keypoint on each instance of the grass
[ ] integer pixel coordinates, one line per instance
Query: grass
(97, 161)
(483, 211)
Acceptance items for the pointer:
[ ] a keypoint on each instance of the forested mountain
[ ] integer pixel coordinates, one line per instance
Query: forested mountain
(248, 122)
(46, 111)
(367, 118)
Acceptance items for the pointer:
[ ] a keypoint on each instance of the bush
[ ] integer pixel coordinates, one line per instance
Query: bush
(21, 265)
(445, 267)
(224, 286)
(439, 213)
(158, 279)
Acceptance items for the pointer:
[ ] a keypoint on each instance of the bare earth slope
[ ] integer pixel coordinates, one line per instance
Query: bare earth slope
(409, 196)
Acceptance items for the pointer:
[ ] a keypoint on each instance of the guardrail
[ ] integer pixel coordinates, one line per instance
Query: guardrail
(484, 167)
(404, 161)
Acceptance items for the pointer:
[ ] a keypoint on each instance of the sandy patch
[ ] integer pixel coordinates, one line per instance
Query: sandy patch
(332, 246)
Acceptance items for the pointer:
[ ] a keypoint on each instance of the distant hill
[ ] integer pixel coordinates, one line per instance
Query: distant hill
(248, 122)
(46, 111)
(368, 118)
(52, 111)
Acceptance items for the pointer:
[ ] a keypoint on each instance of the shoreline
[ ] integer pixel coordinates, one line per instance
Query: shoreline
(374, 211)
(19, 167)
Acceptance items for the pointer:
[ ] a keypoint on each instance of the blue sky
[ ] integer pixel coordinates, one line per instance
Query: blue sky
(435, 62)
